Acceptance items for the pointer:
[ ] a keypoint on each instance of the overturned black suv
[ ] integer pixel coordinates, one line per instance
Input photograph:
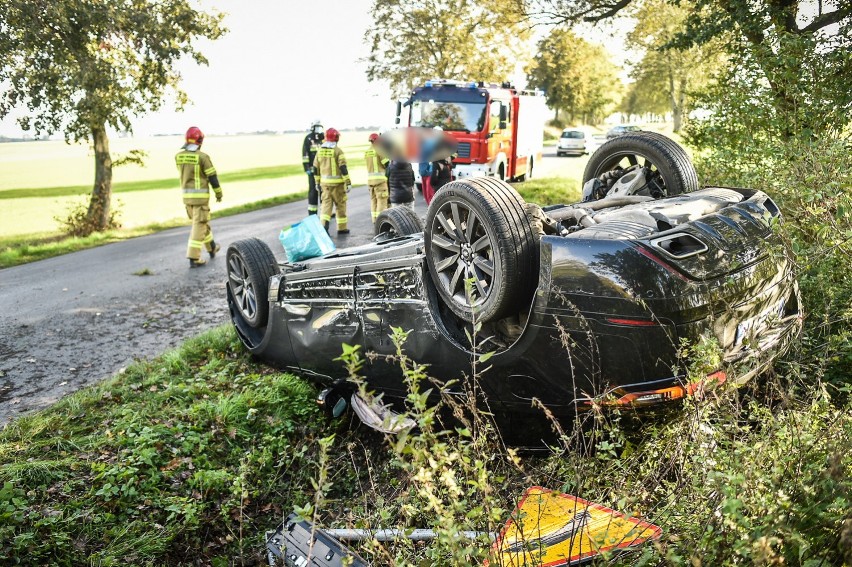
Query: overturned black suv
(581, 304)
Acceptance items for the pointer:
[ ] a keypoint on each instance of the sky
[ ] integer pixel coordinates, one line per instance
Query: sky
(283, 64)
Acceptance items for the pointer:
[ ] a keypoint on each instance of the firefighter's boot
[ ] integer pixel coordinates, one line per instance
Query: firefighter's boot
(213, 248)
(197, 263)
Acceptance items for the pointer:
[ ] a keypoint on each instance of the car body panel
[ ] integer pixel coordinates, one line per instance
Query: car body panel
(608, 314)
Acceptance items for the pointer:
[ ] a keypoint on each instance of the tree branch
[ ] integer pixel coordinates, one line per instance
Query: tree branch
(824, 20)
(613, 10)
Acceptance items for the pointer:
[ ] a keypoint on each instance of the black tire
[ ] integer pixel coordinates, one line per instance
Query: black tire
(398, 221)
(670, 165)
(475, 226)
(250, 265)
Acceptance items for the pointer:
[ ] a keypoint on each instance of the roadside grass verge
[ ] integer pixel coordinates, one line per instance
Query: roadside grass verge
(186, 458)
(16, 250)
(550, 190)
(190, 458)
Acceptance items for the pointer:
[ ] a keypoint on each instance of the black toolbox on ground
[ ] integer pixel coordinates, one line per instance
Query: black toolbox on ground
(291, 544)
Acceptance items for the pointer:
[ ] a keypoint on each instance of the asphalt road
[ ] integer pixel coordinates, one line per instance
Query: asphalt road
(75, 319)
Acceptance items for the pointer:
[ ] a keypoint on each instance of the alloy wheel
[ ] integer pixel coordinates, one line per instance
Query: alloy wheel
(462, 251)
(242, 287)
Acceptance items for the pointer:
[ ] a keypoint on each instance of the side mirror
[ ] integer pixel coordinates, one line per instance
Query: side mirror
(398, 110)
(504, 116)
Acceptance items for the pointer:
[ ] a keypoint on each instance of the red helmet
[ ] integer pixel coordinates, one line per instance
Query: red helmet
(373, 137)
(332, 135)
(194, 135)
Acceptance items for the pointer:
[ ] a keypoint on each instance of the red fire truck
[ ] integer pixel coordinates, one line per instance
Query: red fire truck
(499, 129)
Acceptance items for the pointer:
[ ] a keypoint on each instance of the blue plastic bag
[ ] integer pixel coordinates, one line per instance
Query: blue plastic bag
(305, 239)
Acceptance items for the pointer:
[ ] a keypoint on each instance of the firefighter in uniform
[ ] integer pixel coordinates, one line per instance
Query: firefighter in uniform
(333, 179)
(309, 151)
(377, 177)
(197, 175)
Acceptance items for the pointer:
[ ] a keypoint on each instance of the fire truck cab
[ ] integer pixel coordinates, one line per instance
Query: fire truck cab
(499, 129)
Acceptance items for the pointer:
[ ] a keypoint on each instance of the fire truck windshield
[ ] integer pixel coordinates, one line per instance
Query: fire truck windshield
(464, 116)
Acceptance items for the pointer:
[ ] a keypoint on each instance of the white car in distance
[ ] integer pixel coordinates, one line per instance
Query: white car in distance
(571, 142)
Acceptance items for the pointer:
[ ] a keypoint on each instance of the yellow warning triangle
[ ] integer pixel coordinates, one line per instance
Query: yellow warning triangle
(550, 528)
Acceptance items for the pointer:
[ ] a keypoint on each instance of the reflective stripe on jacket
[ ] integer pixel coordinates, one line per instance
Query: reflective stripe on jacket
(194, 168)
(376, 164)
(330, 165)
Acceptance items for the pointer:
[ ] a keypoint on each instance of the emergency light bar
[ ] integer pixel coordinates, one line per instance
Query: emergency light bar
(450, 83)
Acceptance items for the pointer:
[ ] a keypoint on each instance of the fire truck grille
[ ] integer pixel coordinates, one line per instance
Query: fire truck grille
(464, 150)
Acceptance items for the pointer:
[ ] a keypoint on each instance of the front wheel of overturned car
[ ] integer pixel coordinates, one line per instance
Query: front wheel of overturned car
(669, 169)
(398, 221)
(480, 249)
(250, 265)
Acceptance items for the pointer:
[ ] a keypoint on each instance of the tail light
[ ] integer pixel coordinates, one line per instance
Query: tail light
(632, 322)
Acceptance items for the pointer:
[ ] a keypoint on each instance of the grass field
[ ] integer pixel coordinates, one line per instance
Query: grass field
(41, 180)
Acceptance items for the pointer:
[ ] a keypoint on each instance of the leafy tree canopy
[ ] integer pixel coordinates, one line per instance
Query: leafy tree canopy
(416, 40)
(576, 76)
(799, 48)
(664, 75)
(80, 66)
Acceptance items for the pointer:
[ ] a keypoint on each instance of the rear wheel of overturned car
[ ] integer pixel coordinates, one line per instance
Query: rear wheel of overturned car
(398, 221)
(480, 249)
(670, 171)
(250, 265)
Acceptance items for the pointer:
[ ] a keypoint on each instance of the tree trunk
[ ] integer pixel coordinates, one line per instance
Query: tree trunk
(556, 116)
(98, 216)
(681, 116)
(677, 109)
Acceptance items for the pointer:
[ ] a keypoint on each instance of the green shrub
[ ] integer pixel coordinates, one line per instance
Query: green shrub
(77, 222)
